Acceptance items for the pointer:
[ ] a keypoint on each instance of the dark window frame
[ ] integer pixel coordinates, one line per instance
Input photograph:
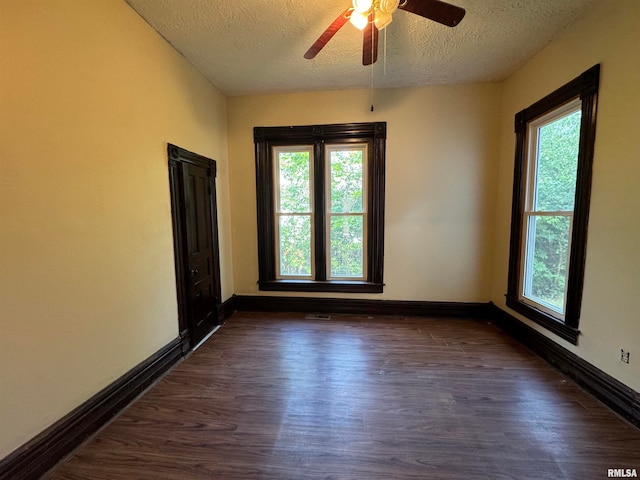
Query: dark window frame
(585, 87)
(265, 138)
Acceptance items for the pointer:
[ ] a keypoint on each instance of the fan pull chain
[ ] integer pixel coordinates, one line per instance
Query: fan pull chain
(372, 87)
(372, 53)
(384, 54)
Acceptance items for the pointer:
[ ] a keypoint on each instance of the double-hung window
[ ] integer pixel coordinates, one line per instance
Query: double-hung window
(552, 163)
(346, 212)
(293, 178)
(320, 199)
(552, 182)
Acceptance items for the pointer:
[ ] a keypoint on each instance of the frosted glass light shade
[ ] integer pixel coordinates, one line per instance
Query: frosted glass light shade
(359, 20)
(362, 6)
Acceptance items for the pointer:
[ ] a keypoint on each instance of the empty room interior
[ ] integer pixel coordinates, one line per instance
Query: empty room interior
(249, 240)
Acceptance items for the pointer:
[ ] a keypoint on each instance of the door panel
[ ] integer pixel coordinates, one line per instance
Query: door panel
(196, 243)
(202, 297)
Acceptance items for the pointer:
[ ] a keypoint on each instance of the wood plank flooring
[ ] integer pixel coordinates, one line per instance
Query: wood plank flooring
(278, 396)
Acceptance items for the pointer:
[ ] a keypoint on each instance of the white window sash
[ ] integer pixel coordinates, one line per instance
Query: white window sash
(528, 233)
(329, 214)
(278, 213)
(526, 272)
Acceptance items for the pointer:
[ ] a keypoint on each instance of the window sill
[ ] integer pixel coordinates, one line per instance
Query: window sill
(570, 334)
(320, 286)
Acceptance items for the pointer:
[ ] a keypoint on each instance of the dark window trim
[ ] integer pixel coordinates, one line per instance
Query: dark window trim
(265, 138)
(584, 87)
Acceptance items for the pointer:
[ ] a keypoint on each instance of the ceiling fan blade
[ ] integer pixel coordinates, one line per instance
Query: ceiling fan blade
(370, 44)
(331, 30)
(441, 12)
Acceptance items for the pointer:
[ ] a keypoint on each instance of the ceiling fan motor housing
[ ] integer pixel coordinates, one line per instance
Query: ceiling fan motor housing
(378, 11)
(388, 6)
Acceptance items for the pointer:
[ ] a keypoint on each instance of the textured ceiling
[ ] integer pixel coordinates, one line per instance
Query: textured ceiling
(255, 46)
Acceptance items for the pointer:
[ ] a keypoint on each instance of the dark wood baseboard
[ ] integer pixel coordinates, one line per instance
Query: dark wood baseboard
(360, 306)
(226, 308)
(37, 456)
(617, 396)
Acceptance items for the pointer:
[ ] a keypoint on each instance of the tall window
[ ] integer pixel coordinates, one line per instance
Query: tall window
(552, 165)
(294, 211)
(346, 211)
(552, 182)
(320, 194)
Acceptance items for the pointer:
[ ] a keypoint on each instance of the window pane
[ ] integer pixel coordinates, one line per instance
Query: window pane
(546, 261)
(346, 181)
(347, 235)
(557, 166)
(295, 245)
(293, 180)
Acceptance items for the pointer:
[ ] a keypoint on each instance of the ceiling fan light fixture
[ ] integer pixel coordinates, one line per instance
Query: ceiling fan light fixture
(362, 6)
(358, 19)
(374, 15)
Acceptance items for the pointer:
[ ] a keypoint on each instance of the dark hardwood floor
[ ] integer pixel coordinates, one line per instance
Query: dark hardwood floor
(278, 396)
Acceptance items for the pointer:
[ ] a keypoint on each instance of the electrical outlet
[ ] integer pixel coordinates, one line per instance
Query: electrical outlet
(624, 355)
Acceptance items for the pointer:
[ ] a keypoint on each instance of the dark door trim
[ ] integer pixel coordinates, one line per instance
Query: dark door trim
(177, 158)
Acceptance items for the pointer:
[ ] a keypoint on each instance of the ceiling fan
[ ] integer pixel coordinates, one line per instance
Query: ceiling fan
(370, 16)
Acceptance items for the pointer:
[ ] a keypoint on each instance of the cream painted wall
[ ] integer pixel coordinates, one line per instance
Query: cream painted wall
(89, 97)
(441, 153)
(608, 34)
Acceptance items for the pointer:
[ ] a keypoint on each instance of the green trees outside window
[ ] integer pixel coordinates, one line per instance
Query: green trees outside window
(554, 155)
(553, 171)
(346, 212)
(294, 212)
(320, 207)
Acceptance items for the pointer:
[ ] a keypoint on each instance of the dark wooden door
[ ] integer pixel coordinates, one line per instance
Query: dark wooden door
(196, 241)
